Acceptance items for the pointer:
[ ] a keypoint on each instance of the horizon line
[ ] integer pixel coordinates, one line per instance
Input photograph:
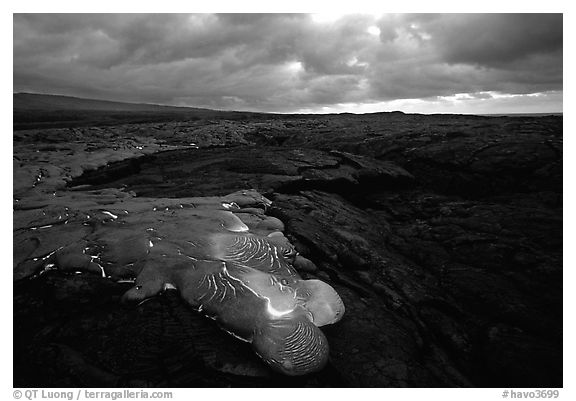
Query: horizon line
(288, 113)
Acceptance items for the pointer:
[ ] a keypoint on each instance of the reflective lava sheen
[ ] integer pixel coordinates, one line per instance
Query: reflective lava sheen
(226, 258)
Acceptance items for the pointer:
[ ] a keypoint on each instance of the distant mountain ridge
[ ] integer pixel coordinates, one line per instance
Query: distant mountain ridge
(33, 111)
(34, 101)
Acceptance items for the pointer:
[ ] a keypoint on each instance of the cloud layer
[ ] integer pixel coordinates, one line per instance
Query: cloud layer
(289, 62)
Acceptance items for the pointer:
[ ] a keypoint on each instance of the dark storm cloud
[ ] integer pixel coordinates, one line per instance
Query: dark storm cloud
(285, 62)
(492, 39)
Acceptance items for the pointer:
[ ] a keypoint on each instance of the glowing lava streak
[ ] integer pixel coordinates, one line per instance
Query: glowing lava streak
(258, 288)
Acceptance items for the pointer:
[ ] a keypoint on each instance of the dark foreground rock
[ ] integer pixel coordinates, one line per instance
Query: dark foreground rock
(442, 235)
(183, 173)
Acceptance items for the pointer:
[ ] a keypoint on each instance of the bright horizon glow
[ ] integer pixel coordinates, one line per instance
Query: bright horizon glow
(460, 103)
(487, 102)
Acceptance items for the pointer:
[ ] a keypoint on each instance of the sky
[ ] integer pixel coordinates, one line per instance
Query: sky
(307, 63)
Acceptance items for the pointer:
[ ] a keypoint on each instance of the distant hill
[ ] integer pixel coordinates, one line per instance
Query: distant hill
(524, 114)
(32, 110)
(32, 101)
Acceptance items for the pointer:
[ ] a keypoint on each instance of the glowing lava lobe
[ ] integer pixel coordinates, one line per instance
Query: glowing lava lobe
(243, 280)
(256, 307)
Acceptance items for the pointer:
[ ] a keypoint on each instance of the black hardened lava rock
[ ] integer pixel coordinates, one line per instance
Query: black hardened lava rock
(442, 235)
